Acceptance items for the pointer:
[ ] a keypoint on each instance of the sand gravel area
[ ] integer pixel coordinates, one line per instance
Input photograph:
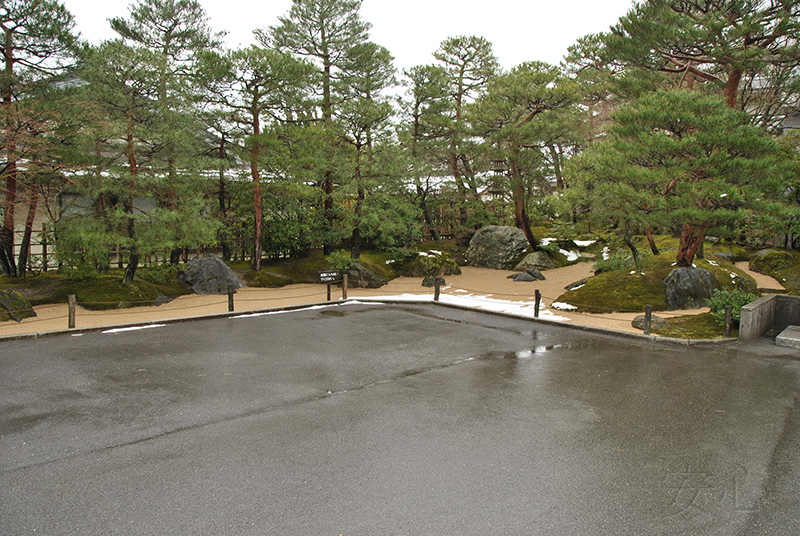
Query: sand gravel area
(477, 287)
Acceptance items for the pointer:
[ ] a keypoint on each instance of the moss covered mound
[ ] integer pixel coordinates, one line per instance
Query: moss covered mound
(265, 279)
(430, 263)
(283, 272)
(783, 265)
(629, 291)
(96, 293)
(13, 306)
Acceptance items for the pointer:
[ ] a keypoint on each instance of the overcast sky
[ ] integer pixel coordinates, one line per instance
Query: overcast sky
(519, 30)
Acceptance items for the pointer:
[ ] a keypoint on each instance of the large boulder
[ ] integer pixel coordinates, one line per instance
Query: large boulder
(209, 275)
(538, 260)
(689, 288)
(496, 247)
(359, 276)
(14, 306)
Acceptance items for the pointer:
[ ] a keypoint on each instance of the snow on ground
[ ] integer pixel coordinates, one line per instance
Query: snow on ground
(483, 302)
(522, 309)
(134, 328)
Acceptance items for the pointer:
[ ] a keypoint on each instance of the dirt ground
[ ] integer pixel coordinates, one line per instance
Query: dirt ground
(473, 283)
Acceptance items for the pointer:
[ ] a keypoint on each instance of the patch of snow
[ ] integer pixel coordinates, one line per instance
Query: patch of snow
(435, 251)
(546, 241)
(606, 253)
(712, 263)
(576, 288)
(135, 328)
(570, 255)
(584, 243)
(483, 302)
(563, 306)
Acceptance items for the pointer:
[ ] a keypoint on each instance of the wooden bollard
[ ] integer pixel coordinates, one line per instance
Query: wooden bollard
(230, 298)
(728, 320)
(329, 292)
(648, 318)
(537, 304)
(437, 286)
(71, 314)
(344, 286)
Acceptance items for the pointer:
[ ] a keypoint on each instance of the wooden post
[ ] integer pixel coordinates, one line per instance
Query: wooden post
(329, 292)
(230, 298)
(344, 286)
(536, 306)
(437, 285)
(728, 320)
(648, 318)
(71, 315)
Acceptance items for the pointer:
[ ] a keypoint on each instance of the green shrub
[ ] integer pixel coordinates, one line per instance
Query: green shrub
(618, 260)
(411, 263)
(736, 298)
(338, 260)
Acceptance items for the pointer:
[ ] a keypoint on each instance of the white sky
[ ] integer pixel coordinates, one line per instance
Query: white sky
(519, 30)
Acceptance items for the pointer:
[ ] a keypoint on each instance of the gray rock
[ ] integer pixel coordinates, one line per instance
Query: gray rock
(13, 304)
(209, 275)
(656, 323)
(576, 284)
(746, 284)
(538, 259)
(726, 256)
(689, 288)
(496, 247)
(359, 276)
(532, 274)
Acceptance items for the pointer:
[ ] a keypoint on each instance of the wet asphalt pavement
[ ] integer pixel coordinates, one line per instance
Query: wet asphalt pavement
(369, 419)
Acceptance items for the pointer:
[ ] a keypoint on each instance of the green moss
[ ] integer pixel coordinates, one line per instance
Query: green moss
(628, 291)
(265, 279)
(702, 326)
(774, 261)
(782, 265)
(288, 271)
(97, 293)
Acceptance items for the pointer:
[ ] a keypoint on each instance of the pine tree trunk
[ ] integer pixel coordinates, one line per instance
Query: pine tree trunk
(691, 238)
(651, 241)
(255, 262)
(521, 215)
(25, 247)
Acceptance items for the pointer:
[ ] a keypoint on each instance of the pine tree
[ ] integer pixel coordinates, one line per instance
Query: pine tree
(681, 160)
(324, 32)
(37, 45)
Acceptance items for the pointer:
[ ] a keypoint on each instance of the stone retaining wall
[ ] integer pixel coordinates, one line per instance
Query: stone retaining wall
(770, 312)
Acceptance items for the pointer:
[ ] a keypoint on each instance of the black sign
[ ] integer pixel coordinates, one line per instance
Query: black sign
(330, 276)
